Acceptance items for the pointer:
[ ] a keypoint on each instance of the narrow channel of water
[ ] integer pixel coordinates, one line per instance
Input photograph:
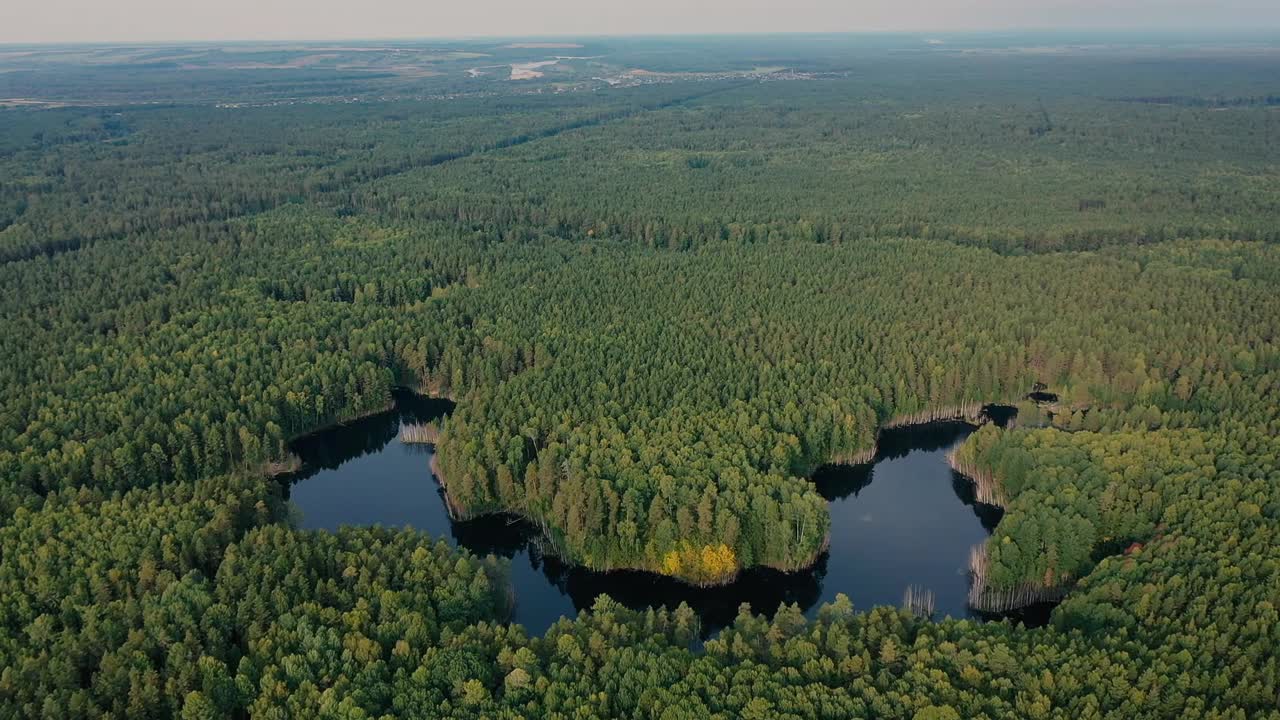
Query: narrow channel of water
(904, 519)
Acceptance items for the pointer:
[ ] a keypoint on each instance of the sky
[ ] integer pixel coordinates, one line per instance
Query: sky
(36, 21)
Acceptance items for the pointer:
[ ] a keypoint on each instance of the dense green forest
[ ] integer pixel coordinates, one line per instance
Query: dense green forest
(659, 309)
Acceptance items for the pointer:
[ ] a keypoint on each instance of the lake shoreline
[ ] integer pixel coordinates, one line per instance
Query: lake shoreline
(909, 459)
(985, 490)
(973, 414)
(364, 415)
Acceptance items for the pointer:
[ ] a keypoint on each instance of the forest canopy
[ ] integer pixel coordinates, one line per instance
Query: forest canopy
(659, 307)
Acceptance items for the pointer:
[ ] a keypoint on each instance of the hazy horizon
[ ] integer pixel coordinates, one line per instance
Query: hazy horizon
(157, 21)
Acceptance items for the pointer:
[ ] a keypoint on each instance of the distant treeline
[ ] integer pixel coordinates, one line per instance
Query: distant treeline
(1209, 102)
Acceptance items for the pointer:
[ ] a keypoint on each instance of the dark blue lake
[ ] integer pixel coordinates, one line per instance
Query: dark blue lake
(904, 519)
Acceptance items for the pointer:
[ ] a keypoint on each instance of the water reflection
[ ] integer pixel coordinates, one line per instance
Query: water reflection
(906, 518)
(359, 473)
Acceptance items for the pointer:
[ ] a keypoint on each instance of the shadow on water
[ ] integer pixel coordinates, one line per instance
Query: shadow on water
(540, 604)
(334, 446)
(891, 526)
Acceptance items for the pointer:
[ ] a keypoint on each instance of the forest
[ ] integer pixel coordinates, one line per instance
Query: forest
(659, 309)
